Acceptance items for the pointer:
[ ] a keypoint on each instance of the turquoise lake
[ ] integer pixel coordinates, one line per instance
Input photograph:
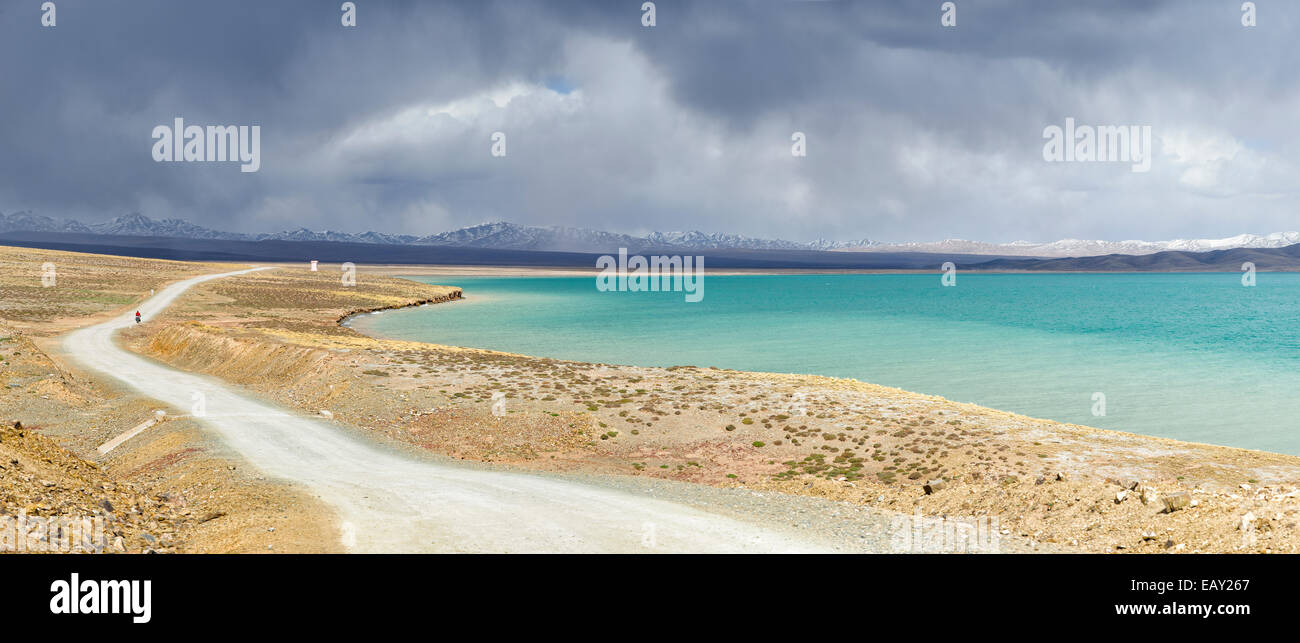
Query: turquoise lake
(1189, 356)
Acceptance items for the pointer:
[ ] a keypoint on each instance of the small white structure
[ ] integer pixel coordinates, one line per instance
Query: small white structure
(313, 266)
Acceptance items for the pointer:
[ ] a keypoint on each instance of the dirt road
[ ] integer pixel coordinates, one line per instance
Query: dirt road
(388, 501)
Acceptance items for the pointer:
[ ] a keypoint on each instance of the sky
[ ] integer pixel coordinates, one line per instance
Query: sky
(914, 131)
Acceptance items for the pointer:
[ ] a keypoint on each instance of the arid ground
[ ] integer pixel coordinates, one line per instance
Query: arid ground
(277, 335)
(171, 489)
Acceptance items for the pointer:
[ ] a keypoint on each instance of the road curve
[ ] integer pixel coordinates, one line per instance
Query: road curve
(388, 502)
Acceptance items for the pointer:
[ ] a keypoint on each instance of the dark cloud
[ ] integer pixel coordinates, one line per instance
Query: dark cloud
(915, 131)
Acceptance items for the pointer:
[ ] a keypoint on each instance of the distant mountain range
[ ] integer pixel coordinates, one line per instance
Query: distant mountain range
(510, 236)
(1230, 260)
(498, 236)
(1086, 248)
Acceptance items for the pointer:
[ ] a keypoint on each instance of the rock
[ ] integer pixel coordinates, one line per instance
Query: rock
(106, 505)
(149, 538)
(1040, 480)
(1148, 535)
(1119, 497)
(1129, 483)
(934, 485)
(1176, 500)
(1060, 477)
(1149, 495)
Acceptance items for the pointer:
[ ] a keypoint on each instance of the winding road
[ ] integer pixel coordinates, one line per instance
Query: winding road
(389, 502)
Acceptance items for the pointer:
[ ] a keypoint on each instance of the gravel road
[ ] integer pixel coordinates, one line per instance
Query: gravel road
(390, 501)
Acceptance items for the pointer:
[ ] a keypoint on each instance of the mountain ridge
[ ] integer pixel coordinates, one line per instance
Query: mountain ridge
(502, 235)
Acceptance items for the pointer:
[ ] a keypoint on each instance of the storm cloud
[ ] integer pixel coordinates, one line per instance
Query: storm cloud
(915, 131)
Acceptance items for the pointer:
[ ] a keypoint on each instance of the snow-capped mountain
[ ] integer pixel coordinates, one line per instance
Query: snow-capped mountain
(26, 221)
(1084, 247)
(138, 225)
(509, 236)
(303, 234)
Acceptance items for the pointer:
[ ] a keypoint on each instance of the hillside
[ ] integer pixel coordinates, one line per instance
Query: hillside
(1278, 259)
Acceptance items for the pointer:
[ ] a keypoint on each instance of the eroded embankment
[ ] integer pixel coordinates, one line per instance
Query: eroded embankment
(202, 349)
(455, 293)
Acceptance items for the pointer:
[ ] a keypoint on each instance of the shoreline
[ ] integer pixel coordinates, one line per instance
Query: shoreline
(454, 295)
(460, 296)
(1061, 487)
(774, 374)
(418, 270)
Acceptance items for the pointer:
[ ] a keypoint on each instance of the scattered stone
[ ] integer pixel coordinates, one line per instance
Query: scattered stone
(934, 485)
(1119, 497)
(1149, 495)
(1061, 477)
(1176, 500)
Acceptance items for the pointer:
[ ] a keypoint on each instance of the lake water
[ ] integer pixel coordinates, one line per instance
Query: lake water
(1189, 356)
